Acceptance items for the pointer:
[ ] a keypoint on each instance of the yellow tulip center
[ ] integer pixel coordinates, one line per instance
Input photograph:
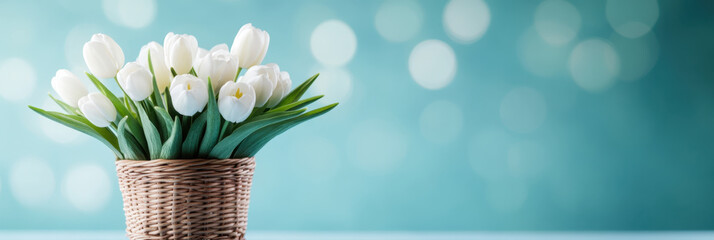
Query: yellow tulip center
(188, 86)
(238, 94)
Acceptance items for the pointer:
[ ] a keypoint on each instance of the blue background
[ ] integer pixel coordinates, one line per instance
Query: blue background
(636, 155)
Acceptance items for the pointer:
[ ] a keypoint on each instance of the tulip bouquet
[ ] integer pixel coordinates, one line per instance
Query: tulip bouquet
(180, 101)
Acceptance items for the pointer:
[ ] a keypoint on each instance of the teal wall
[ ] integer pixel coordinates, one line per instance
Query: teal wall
(559, 117)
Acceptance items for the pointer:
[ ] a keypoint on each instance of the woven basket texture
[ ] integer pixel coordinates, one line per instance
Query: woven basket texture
(186, 199)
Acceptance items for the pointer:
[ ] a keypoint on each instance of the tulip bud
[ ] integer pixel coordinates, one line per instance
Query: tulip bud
(250, 46)
(281, 89)
(179, 51)
(161, 71)
(263, 78)
(218, 64)
(97, 109)
(236, 101)
(189, 94)
(103, 56)
(68, 86)
(136, 81)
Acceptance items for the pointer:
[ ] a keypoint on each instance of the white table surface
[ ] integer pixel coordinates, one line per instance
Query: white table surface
(258, 235)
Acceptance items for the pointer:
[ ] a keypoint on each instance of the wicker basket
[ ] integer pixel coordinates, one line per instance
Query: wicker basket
(186, 199)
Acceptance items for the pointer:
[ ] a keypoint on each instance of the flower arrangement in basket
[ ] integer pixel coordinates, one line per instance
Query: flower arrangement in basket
(185, 127)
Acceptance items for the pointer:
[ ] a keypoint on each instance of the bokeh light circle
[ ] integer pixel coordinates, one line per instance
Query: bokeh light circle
(333, 43)
(337, 82)
(432, 64)
(557, 21)
(441, 121)
(523, 110)
(32, 182)
(638, 56)
(632, 18)
(377, 146)
(18, 79)
(130, 13)
(466, 21)
(87, 187)
(594, 65)
(399, 20)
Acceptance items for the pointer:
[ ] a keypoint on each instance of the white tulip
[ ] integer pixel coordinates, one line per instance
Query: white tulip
(161, 71)
(179, 51)
(97, 109)
(263, 78)
(236, 101)
(103, 56)
(189, 94)
(136, 80)
(281, 89)
(68, 86)
(203, 52)
(250, 45)
(219, 65)
(221, 46)
(200, 53)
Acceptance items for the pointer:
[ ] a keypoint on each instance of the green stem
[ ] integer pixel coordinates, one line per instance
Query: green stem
(223, 130)
(186, 120)
(119, 85)
(238, 73)
(150, 104)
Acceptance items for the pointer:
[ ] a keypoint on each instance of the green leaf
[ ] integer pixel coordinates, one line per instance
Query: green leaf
(172, 146)
(253, 143)
(225, 147)
(83, 125)
(224, 129)
(66, 107)
(193, 72)
(297, 105)
(213, 124)
(128, 106)
(132, 123)
(121, 109)
(169, 103)
(256, 112)
(193, 138)
(164, 120)
(173, 72)
(153, 139)
(128, 144)
(156, 95)
(297, 93)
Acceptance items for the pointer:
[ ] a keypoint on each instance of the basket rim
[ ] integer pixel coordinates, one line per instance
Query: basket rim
(129, 162)
(181, 159)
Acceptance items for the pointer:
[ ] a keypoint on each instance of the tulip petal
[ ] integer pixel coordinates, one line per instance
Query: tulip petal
(99, 60)
(68, 86)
